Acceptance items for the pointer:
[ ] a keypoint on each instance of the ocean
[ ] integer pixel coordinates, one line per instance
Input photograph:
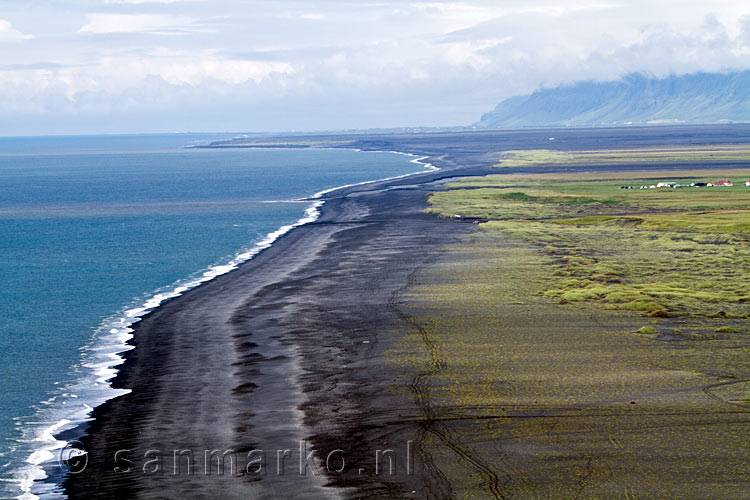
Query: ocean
(96, 231)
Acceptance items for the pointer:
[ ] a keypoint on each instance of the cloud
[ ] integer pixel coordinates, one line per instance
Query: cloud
(345, 63)
(9, 34)
(163, 24)
(58, 88)
(32, 66)
(144, 2)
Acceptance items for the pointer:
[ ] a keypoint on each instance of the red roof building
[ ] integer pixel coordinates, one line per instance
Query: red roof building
(724, 183)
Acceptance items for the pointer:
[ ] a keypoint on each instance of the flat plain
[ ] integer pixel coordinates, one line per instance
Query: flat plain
(588, 340)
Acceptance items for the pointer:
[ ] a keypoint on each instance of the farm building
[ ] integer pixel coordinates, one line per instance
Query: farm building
(724, 183)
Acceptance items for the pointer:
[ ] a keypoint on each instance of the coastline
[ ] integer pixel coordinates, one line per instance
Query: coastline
(312, 308)
(227, 294)
(112, 352)
(39, 477)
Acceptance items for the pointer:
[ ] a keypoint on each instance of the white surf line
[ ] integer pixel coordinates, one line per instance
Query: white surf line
(417, 160)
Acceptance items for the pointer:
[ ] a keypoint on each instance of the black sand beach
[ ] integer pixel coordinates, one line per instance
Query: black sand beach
(281, 350)
(287, 352)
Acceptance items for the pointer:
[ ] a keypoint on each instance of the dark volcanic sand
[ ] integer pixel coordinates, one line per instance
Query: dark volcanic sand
(228, 365)
(289, 346)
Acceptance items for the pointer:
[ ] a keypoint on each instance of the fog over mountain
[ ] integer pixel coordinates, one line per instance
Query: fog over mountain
(635, 99)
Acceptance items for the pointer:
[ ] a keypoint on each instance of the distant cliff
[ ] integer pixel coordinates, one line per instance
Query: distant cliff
(636, 99)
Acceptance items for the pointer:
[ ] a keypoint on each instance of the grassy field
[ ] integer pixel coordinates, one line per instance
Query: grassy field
(525, 157)
(586, 341)
(667, 252)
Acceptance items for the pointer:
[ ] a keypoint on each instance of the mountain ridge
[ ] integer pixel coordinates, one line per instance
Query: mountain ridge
(636, 99)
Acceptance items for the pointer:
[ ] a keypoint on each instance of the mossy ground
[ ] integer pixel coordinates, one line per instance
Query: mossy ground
(554, 400)
(528, 157)
(585, 341)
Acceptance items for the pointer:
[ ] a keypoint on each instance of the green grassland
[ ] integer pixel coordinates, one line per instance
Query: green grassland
(666, 252)
(527, 157)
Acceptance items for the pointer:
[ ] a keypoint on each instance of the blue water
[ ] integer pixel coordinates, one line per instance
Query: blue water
(94, 227)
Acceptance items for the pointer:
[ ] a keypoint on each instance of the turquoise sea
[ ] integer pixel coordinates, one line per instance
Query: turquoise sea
(95, 231)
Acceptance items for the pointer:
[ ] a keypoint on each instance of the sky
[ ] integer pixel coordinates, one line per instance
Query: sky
(141, 66)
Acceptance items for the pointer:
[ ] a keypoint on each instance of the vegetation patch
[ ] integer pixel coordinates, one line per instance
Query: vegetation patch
(519, 158)
(523, 157)
(638, 250)
(726, 329)
(522, 336)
